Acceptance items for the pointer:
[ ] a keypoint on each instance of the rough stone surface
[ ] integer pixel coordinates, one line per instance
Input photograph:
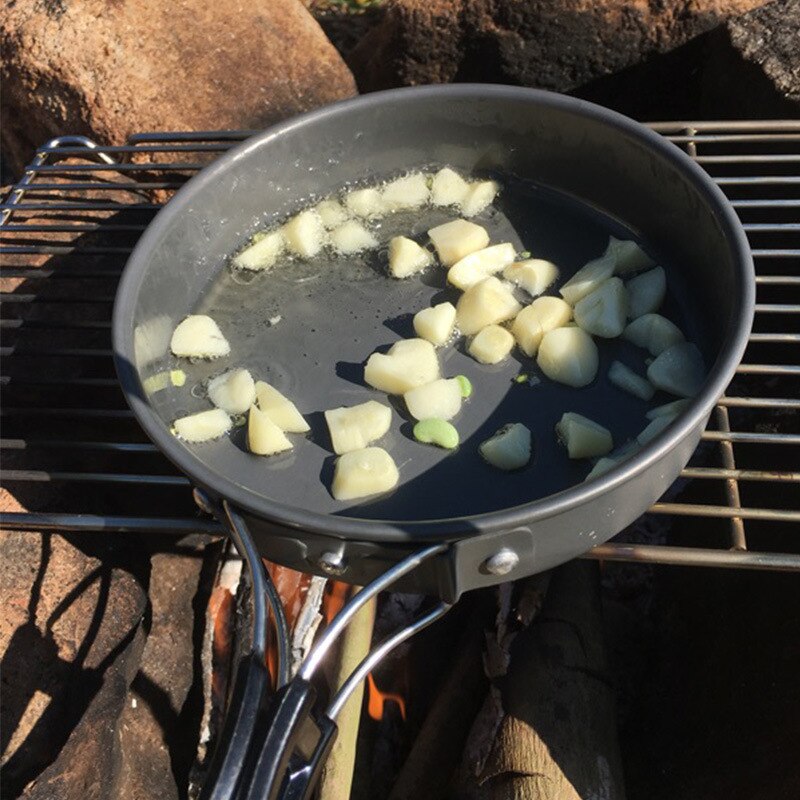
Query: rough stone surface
(106, 69)
(551, 44)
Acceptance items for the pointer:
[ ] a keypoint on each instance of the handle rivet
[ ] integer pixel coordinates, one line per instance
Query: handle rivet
(332, 563)
(501, 563)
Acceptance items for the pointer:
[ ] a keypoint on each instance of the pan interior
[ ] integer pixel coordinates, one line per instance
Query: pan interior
(308, 327)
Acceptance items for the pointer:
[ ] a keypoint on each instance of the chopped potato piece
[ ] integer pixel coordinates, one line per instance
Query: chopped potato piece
(408, 364)
(365, 202)
(604, 312)
(626, 379)
(542, 315)
(672, 409)
(583, 437)
(203, 427)
(476, 266)
(352, 237)
(456, 239)
(406, 257)
(410, 191)
(653, 332)
(486, 303)
(440, 399)
(509, 448)
(262, 253)
(646, 292)
(361, 473)
(305, 233)
(534, 275)
(332, 213)
(628, 256)
(436, 324)
(156, 383)
(480, 195)
(355, 427)
(601, 467)
(233, 391)
(678, 370)
(282, 411)
(587, 279)
(264, 437)
(448, 188)
(657, 426)
(198, 336)
(569, 356)
(491, 345)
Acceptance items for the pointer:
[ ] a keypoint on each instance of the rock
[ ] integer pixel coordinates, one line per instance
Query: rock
(106, 70)
(551, 45)
(753, 64)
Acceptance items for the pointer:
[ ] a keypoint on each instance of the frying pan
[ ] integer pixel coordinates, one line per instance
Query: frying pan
(572, 173)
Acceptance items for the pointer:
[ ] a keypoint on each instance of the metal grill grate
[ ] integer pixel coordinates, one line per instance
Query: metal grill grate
(72, 451)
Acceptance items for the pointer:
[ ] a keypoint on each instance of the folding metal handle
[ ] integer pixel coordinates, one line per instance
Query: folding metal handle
(276, 751)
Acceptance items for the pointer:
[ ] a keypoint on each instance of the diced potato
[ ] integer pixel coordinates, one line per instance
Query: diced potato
(156, 383)
(332, 213)
(604, 312)
(362, 473)
(410, 191)
(626, 379)
(233, 391)
(456, 239)
(198, 336)
(282, 411)
(408, 364)
(406, 257)
(657, 426)
(365, 202)
(491, 345)
(653, 332)
(476, 266)
(533, 275)
(440, 399)
(583, 437)
(601, 467)
(509, 448)
(542, 315)
(262, 253)
(203, 427)
(646, 292)
(678, 370)
(449, 188)
(480, 195)
(264, 437)
(672, 409)
(355, 427)
(305, 233)
(587, 279)
(569, 356)
(436, 324)
(486, 303)
(628, 256)
(352, 237)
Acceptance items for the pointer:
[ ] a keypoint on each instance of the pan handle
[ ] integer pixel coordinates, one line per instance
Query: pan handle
(278, 753)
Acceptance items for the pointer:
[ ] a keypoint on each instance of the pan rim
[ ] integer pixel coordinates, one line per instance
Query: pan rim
(455, 528)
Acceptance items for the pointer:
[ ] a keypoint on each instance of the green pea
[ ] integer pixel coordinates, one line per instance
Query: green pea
(438, 432)
(177, 377)
(521, 378)
(465, 385)
(525, 254)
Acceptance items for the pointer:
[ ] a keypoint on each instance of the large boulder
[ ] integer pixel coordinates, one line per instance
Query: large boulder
(106, 69)
(551, 44)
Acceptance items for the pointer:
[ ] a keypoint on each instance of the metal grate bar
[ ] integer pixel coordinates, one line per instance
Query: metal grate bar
(757, 163)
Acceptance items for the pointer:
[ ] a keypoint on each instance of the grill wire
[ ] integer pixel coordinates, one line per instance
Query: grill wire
(76, 460)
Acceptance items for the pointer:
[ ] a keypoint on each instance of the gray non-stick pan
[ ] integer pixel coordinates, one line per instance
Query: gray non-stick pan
(572, 174)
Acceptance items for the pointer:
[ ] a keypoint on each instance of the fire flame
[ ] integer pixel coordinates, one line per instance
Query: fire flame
(376, 700)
